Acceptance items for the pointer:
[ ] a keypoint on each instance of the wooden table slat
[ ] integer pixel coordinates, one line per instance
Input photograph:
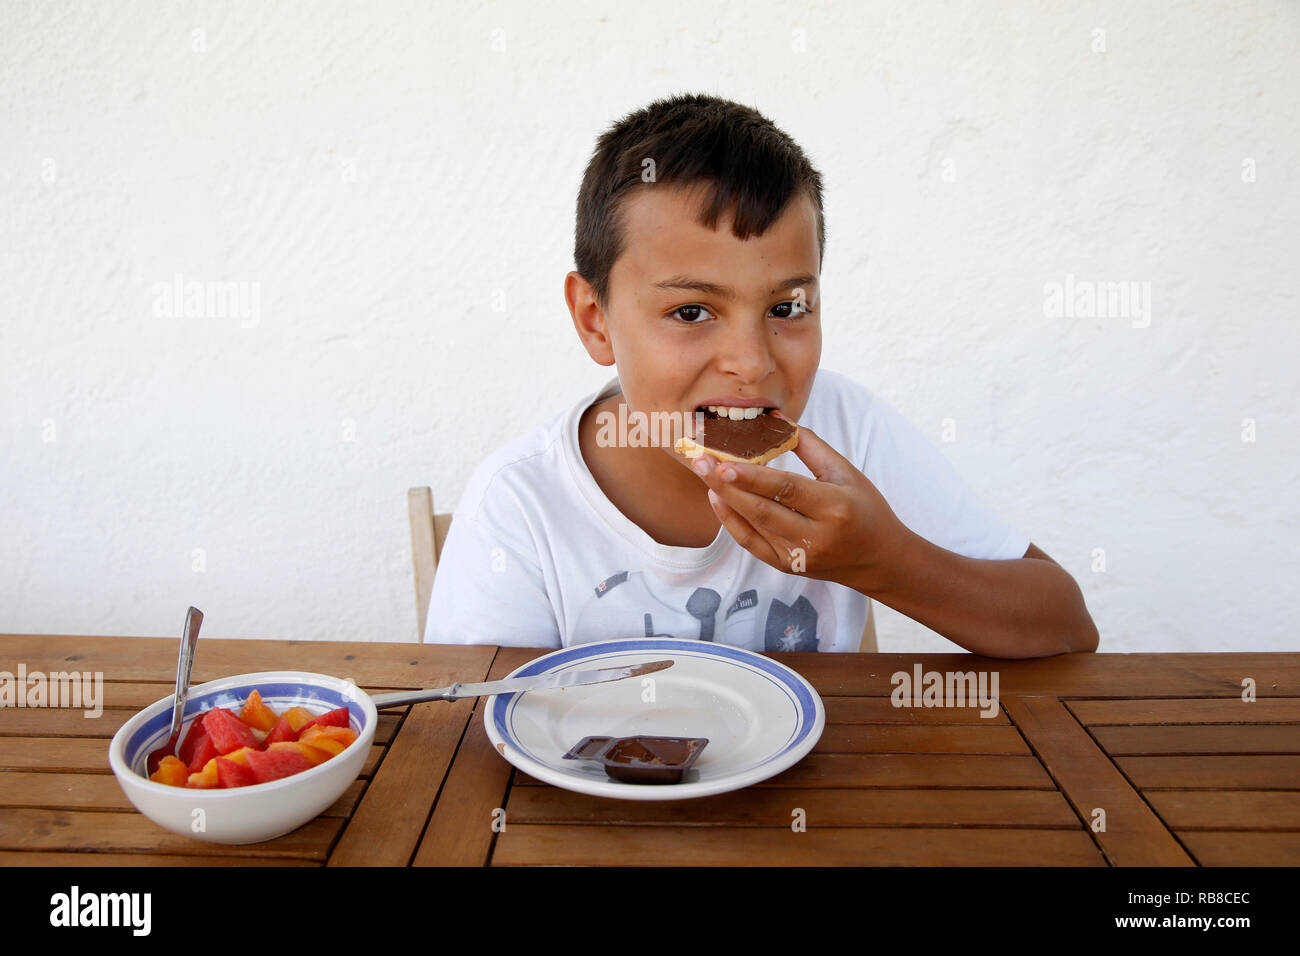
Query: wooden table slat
(136, 659)
(881, 710)
(1066, 675)
(1257, 810)
(17, 858)
(539, 844)
(106, 831)
(1243, 849)
(1016, 809)
(1250, 772)
(931, 739)
(1199, 739)
(1183, 710)
(99, 791)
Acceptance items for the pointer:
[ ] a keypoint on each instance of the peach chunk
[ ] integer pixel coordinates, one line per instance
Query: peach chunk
(257, 715)
(314, 754)
(240, 756)
(171, 771)
(207, 778)
(332, 739)
(298, 717)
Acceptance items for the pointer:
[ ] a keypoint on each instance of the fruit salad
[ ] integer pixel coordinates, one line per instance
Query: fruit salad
(257, 745)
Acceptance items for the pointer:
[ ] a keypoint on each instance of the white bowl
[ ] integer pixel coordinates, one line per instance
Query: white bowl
(260, 811)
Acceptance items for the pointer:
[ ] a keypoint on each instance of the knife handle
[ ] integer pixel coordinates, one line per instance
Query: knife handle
(400, 697)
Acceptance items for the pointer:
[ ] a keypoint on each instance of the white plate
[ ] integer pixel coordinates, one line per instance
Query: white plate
(759, 716)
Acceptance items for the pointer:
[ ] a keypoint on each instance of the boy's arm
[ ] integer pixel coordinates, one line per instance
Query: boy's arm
(842, 529)
(1024, 607)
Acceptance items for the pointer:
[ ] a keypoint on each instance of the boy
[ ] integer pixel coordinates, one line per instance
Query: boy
(699, 245)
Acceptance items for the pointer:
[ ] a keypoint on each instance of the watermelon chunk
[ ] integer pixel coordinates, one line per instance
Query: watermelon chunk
(204, 752)
(228, 732)
(283, 730)
(232, 774)
(194, 736)
(334, 718)
(274, 764)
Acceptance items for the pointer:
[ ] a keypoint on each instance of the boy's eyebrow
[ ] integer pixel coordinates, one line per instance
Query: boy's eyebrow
(723, 291)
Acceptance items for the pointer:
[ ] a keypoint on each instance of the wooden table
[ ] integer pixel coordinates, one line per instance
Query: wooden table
(1186, 772)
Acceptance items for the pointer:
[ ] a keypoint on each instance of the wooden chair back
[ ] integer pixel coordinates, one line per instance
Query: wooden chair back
(428, 532)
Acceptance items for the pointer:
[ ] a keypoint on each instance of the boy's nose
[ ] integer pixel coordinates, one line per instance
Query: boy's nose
(745, 354)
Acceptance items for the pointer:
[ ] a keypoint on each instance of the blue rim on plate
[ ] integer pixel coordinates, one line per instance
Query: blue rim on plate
(805, 705)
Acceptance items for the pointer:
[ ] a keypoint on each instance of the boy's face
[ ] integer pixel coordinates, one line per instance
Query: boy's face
(735, 336)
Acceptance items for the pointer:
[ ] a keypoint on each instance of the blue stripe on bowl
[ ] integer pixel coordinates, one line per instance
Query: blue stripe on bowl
(153, 733)
(796, 691)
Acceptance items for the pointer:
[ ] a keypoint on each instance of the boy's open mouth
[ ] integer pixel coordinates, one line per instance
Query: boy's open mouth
(732, 412)
(737, 433)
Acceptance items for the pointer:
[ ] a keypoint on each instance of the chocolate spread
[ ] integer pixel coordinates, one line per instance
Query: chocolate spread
(745, 437)
(642, 759)
(659, 752)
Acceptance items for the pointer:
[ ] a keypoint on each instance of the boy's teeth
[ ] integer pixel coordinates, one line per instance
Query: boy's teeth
(735, 414)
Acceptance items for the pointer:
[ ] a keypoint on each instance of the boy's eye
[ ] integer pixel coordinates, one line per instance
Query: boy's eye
(795, 310)
(685, 313)
(691, 314)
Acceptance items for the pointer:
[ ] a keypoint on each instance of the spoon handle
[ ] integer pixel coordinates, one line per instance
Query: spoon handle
(184, 664)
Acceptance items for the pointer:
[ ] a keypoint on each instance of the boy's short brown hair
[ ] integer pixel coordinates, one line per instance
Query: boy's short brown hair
(690, 138)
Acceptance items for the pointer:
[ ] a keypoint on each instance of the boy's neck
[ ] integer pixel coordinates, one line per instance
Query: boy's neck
(653, 490)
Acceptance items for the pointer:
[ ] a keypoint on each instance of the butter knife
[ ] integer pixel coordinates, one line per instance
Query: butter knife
(516, 685)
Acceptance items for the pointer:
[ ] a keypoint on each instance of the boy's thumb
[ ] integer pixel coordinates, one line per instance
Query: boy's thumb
(822, 460)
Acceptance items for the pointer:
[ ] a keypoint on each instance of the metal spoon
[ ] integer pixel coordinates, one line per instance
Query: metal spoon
(193, 619)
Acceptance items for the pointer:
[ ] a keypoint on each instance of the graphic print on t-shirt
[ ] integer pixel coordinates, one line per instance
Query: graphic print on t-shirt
(637, 604)
(791, 627)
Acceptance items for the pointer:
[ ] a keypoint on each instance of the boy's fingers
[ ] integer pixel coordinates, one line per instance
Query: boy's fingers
(772, 519)
(754, 517)
(741, 530)
(793, 491)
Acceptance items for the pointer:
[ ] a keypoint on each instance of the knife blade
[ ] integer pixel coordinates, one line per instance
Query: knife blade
(517, 685)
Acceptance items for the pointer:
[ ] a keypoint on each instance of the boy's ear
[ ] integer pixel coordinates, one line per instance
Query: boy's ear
(588, 319)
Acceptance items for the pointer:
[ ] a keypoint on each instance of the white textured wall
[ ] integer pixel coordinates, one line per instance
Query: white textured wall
(381, 170)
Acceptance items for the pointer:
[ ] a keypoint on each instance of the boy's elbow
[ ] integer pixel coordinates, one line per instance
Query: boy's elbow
(1081, 635)
(1082, 638)
(1085, 637)
(1087, 642)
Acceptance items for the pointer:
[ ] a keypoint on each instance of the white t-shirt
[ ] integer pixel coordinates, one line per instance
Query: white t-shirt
(537, 556)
